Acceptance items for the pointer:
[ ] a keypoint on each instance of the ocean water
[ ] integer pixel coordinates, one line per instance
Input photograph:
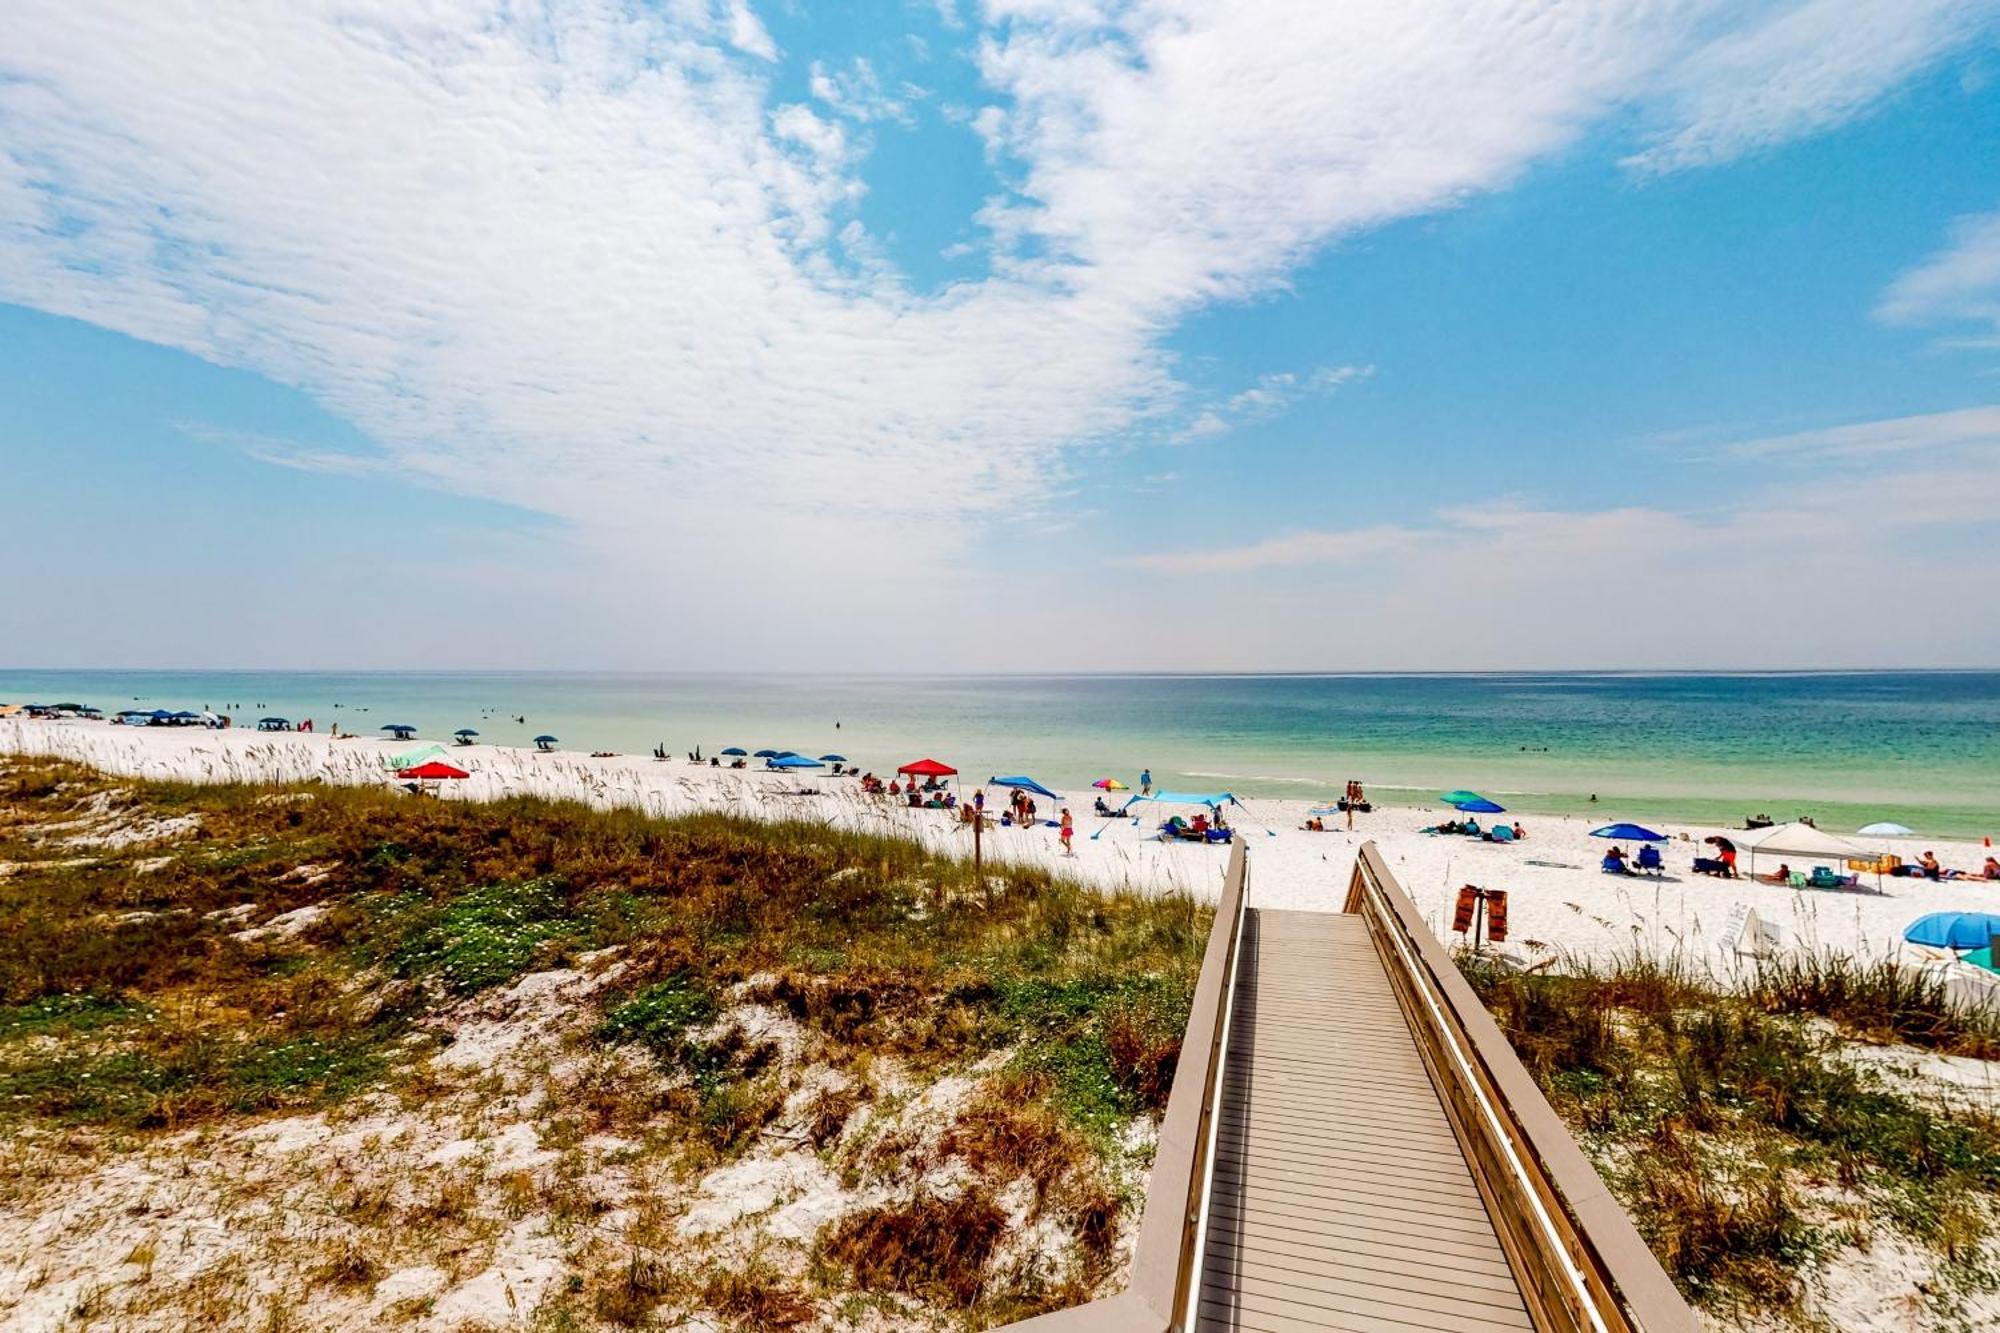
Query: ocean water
(1922, 748)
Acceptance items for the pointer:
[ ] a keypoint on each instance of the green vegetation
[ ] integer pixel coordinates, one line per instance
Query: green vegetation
(730, 985)
(1745, 1144)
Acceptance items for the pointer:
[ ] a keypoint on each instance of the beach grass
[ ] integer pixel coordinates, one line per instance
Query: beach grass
(183, 956)
(1752, 1148)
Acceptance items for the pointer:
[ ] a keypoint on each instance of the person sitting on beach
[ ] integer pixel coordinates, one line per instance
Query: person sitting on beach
(895, 787)
(1103, 809)
(1519, 832)
(1200, 824)
(1313, 825)
(1614, 861)
(1471, 828)
(1782, 875)
(1931, 868)
(1991, 870)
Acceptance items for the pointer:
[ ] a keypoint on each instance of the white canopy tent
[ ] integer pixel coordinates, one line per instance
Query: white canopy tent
(1801, 840)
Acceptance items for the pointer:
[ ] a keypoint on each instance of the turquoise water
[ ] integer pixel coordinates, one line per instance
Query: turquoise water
(1922, 748)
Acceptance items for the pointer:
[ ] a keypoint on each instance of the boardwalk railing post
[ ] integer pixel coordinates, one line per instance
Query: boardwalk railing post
(1581, 1266)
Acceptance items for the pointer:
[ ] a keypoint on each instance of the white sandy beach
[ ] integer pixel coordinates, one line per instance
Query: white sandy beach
(1559, 901)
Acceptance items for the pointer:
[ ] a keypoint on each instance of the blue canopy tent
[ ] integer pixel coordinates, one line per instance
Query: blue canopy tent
(1954, 930)
(1213, 800)
(794, 761)
(1628, 833)
(1020, 783)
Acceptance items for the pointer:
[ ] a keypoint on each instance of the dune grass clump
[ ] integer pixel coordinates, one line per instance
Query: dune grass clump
(966, 1053)
(932, 1247)
(1877, 1000)
(168, 1004)
(1726, 1120)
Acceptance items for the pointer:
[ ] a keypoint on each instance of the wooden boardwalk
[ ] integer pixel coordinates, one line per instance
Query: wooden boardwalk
(1341, 1198)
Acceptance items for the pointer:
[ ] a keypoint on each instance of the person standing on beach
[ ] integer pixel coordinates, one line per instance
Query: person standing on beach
(1068, 832)
(1146, 782)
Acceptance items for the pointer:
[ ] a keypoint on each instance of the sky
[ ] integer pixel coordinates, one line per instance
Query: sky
(1018, 335)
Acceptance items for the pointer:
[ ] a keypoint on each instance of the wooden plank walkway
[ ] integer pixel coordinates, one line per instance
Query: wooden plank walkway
(1341, 1199)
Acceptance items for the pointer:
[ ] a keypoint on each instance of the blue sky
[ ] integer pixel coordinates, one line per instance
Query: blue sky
(1033, 334)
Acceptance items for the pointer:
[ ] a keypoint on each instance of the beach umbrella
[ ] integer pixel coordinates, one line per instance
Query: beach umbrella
(833, 759)
(1885, 829)
(928, 768)
(1981, 958)
(785, 754)
(1479, 805)
(1110, 784)
(1460, 797)
(795, 761)
(401, 730)
(736, 752)
(767, 754)
(465, 731)
(545, 741)
(433, 770)
(1023, 784)
(1954, 930)
(1628, 833)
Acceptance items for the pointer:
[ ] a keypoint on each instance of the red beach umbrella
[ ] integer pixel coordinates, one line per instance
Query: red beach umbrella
(436, 768)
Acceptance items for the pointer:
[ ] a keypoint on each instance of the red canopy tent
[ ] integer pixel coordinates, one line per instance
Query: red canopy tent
(928, 768)
(436, 768)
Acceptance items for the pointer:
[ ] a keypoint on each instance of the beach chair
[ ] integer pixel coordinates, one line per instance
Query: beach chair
(1613, 865)
(1650, 861)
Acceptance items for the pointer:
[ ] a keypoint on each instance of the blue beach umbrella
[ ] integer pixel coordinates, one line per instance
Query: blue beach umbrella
(1460, 796)
(1953, 930)
(785, 754)
(1628, 833)
(833, 759)
(1479, 805)
(767, 754)
(465, 731)
(545, 741)
(736, 752)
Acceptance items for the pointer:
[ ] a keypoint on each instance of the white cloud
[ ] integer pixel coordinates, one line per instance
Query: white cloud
(575, 259)
(1271, 396)
(1959, 284)
(747, 32)
(1809, 66)
(1974, 429)
(1871, 481)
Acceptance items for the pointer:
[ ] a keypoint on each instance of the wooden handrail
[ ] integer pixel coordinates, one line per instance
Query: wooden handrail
(1581, 1266)
(1166, 1259)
